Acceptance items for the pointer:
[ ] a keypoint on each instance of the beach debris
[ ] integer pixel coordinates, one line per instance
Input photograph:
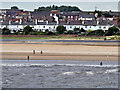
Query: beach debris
(28, 58)
(33, 51)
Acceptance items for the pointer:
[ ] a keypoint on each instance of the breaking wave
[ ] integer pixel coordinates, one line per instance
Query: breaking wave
(49, 65)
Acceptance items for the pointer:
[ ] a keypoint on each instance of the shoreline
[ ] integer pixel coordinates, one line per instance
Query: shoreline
(63, 43)
(57, 56)
(80, 58)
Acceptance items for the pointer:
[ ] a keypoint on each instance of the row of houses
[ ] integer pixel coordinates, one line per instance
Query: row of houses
(18, 19)
(53, 27)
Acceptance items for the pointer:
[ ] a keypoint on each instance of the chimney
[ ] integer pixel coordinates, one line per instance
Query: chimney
(57, 22)
(116, 21)
(68, 21)
(20, 21)
(9, 22)
(46, 22)
(83, 22)
(36, 21)
(51, 14)
(107, 21)
(98, 22)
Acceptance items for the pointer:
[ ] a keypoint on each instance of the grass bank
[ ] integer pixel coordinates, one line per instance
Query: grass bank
(68, 37)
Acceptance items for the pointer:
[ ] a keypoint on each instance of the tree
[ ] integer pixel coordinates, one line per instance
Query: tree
(99, 32)
(59, 8)
(27, 30)
(14, 32)
(95, 33)
(107, 14)
(112, 31)
(60, 29)
(82, 30)
(5, 31)
(76, 30)
(118, 22)
(14, 8)
(70, 32)
(98, 12)
(90, 33)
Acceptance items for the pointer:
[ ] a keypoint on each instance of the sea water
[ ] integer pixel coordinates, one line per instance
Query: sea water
(59, 74)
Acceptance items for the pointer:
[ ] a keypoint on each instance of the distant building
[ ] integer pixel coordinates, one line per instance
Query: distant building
(18, 19)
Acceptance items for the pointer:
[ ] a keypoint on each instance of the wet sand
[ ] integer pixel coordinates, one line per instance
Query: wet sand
(20, 51)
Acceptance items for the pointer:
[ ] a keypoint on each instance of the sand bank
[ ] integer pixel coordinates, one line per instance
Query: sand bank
(59, 52)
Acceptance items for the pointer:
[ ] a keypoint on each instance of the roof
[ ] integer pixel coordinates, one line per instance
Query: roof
(40, 13)
(87, 23)
(70, 14)
(113, 22)
(52, 23)
(103, 22)
(62, 23)
(85, 15)
(90, 23)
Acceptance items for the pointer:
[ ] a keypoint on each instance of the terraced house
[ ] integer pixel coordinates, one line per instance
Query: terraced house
(18, 19)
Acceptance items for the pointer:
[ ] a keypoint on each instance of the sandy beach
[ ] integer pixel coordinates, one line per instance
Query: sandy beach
(12, 51)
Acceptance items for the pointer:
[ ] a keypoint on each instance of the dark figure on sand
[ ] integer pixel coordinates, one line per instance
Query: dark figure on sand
(41, 52)
(33, 51)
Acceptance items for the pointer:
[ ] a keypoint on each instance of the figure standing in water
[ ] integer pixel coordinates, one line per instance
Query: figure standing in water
(28, 58)
(101, 63)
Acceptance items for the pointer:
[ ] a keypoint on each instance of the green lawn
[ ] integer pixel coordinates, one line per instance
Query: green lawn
(57, 37)
(69, 37)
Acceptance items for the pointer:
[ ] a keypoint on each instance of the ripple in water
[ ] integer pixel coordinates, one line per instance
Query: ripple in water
(59, 76)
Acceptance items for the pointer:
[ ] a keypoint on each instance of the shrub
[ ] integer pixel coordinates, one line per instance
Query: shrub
(5, 31)
(61, 29)
(27, 30)
(70, 32)
(112, 31)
